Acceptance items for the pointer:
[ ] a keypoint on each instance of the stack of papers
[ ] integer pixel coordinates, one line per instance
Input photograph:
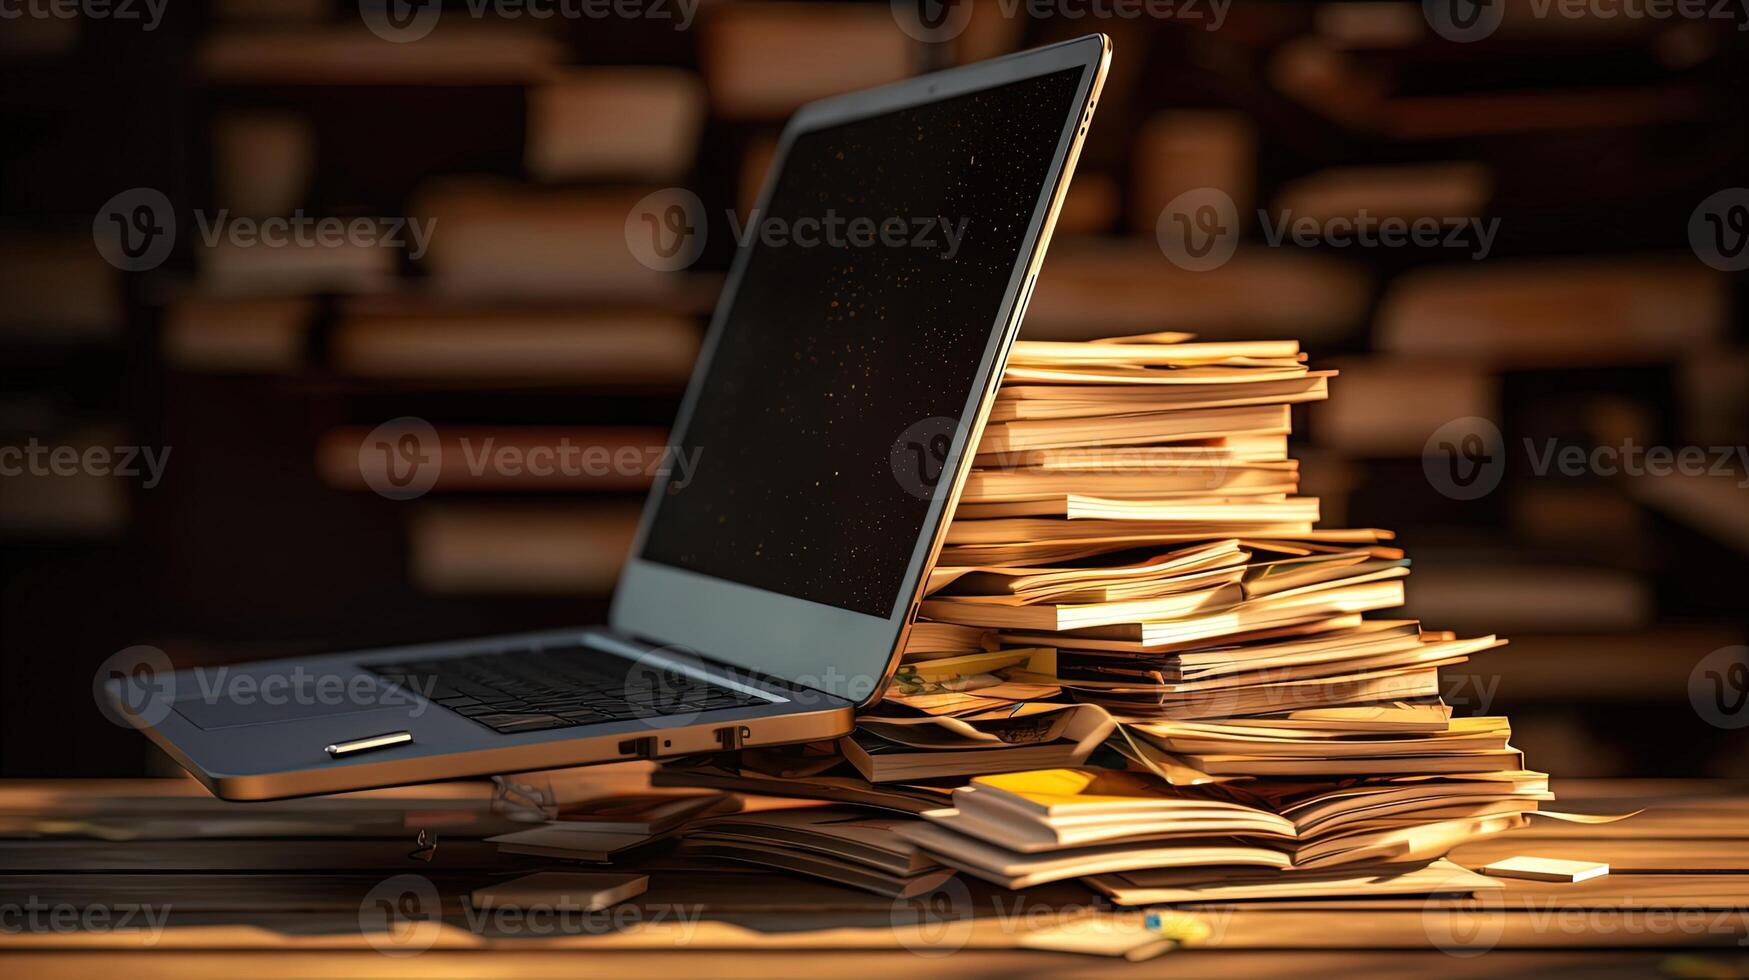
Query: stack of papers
(1139, 662)
(1025, 829)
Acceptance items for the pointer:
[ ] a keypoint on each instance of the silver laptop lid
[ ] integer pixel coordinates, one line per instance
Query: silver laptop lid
(859, 334)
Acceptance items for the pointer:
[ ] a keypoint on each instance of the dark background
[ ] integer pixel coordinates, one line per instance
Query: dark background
(1591, 321)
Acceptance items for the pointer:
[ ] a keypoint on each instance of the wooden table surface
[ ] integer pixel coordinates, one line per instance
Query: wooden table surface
(295, 899)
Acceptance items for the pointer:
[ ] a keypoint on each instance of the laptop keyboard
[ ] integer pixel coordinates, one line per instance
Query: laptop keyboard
(538, 689)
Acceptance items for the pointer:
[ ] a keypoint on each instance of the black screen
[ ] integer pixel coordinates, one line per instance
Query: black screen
(873, 286)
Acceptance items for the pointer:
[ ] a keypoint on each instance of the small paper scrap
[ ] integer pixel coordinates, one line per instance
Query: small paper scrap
(1546, 869)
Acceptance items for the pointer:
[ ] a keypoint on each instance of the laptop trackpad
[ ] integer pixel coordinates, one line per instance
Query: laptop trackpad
(233, 713)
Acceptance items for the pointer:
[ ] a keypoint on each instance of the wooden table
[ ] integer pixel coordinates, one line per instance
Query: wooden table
(289, 893)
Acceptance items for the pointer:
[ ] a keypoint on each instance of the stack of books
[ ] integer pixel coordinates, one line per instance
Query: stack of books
(1137, 655)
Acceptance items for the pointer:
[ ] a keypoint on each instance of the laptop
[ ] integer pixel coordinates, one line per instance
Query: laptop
(846, 376)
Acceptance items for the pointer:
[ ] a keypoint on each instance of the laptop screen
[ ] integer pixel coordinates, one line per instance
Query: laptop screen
(853, 342)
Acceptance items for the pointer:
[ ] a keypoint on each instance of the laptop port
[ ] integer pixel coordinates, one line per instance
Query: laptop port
(730, 737)
(639, 748)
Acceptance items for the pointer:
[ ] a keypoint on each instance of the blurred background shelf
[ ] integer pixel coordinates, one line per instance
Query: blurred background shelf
(526, 318)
